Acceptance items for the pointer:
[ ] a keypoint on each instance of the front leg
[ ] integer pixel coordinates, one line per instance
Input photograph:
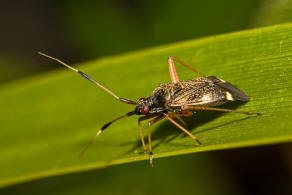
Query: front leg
(153, 121)
(141, 131)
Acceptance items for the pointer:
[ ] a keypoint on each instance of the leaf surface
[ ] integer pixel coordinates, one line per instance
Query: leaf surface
(47, 120)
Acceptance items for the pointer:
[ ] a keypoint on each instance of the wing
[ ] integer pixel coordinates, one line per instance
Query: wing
(204, 91)
(201, 91)
(234, 92)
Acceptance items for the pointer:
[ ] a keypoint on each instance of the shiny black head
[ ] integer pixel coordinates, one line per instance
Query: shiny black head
(143, 106)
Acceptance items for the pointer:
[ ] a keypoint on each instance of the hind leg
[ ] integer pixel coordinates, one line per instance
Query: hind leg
(172, 70)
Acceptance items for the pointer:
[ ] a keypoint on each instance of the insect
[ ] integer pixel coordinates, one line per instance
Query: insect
(171, 101)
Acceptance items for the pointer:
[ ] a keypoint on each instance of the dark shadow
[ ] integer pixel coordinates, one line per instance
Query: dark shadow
(208, 129)
(166, 131)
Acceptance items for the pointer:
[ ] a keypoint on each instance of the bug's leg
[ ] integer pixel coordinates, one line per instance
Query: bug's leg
(172, 71)
(177, 116)
(220, 109)
(183, 129)
(181, 120)
(102, 129)
(142, 137)
(186, 113)
(153, 121)
(141, 131)
(171, 59)
(90, 79)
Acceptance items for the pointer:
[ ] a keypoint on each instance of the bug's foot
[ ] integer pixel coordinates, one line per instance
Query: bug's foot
(151, 159)
(254, 114)
(198, 141)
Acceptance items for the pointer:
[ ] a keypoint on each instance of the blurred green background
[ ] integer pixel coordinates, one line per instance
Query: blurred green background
(79, 31)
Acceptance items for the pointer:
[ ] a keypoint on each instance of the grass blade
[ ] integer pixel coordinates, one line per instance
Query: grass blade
(47, 120)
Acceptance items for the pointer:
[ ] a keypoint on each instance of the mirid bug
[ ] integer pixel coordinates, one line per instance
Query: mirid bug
(174, 100)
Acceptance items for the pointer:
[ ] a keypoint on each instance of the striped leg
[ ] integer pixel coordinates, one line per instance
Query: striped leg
(102, 129)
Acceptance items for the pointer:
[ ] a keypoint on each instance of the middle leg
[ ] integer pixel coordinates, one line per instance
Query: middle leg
(178, 116)
(183, 129)
(186, 113)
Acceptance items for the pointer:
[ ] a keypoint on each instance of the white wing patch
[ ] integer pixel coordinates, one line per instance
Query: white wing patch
(222, 80)
(229, 96)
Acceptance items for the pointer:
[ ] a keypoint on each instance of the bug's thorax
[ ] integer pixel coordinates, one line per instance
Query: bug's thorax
(146, 105)
(157, 101)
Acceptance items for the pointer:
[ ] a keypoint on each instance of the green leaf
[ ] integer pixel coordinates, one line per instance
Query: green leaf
(47, 120)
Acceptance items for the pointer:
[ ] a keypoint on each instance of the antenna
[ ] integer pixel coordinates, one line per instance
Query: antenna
(102, 129)
(89, 78)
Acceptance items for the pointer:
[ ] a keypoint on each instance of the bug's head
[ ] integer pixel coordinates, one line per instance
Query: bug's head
(143, 106)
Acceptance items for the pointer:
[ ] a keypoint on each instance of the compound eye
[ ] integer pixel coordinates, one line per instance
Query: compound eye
(141, 99)
(145, 110)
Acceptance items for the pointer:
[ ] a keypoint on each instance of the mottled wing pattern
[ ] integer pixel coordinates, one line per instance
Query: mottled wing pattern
(205, 91)
(200, 91)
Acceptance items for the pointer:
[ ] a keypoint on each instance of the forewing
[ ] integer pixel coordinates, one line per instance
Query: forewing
(235, 92)
(197, 92)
